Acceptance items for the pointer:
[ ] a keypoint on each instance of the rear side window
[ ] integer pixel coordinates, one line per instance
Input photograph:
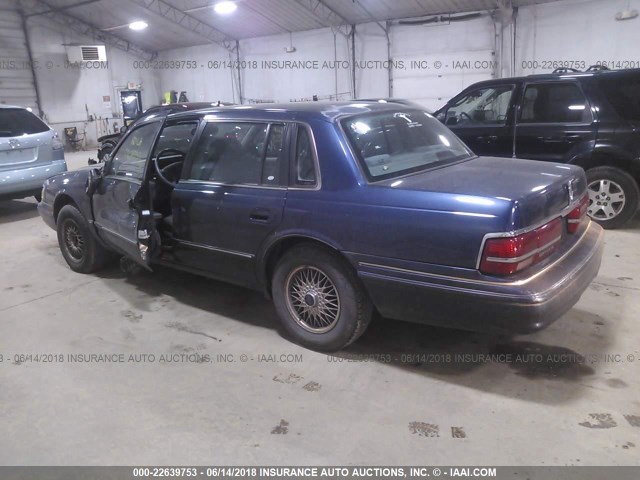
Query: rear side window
(240, 153)
(304, 166)
(554, 103)
(623, 94)
(15, 122)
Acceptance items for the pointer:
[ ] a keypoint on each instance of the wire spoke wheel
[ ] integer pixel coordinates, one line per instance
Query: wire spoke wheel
(312, 299)
(606, 199)
(73, 240)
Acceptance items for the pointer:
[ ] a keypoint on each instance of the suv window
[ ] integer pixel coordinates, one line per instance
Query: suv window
(554, 103)
(399, 142)
(239, 153)
(15, 122)
(304, 166)
(130, 159)
(623, 94)
(480, 107)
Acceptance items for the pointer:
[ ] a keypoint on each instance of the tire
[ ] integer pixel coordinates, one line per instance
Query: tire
(618, 194)
(79, 247)
(347, 309)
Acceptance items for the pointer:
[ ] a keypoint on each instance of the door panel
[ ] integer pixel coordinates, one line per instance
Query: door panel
(219, 229)
(232, 198)
(555, 122)
(121, 202)
(483, 119)
(115, 216)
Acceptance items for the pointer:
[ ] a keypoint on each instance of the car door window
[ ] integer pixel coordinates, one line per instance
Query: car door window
(178, 136)
(230, 153)
(554, 103)
(304, 166)
(484, 106)
(130, 159)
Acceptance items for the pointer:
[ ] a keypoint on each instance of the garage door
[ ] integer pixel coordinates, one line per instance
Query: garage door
(16, 81)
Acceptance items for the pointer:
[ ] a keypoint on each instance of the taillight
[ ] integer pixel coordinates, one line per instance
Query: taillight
(508, 255)
(577, 215)
(56, 144)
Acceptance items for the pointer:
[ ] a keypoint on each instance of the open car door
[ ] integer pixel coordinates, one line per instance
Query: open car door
(122, 197)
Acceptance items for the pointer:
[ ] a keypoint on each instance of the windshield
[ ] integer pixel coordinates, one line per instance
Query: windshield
(395, 143)
(15, 122)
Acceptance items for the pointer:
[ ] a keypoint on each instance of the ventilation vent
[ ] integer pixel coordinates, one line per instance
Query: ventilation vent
(90, 53)
(86, 53)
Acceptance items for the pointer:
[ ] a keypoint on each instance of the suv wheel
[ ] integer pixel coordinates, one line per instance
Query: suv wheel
(613, 196)
(319, 299)
(77, 244)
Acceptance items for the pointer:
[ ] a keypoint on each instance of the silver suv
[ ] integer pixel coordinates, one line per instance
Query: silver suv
(30, 152)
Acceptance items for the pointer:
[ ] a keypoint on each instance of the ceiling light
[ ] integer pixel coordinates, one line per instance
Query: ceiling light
(138, 25)
(225, 8)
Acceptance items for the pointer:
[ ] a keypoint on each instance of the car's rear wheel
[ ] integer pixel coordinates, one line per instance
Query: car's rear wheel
(79, 247)
(319, 298)
(613, 196)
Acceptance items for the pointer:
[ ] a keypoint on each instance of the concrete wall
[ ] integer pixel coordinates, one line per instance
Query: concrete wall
(578, 30)
(69, 95)
(432, 62)
(451, 55)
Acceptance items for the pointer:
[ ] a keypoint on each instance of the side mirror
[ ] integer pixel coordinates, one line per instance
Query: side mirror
(123, 129)
(93, 180)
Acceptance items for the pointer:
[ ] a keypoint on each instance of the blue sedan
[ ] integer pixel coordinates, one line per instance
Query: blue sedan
(336, 211)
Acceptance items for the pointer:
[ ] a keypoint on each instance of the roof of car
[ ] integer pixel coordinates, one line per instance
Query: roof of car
(328, 111)
(2, 105)
(560, 76)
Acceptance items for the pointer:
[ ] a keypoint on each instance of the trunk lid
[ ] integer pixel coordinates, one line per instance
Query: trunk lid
(538, 191)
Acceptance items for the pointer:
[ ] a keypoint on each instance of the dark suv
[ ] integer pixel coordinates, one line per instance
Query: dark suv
(590, 119)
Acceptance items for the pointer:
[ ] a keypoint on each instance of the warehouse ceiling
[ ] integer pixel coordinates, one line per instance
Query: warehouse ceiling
(182, 23)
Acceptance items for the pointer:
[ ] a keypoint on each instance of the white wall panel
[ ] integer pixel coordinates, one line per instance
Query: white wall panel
(69, 95)
(16, 79)
(578, 30)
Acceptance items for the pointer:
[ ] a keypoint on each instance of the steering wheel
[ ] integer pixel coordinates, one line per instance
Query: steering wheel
(163, 172)
(465, 114)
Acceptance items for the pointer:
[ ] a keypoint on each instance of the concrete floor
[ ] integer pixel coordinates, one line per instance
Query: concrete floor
(305, 408)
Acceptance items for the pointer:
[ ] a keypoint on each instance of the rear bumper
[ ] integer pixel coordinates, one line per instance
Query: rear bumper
(24, 182)
(522, 305)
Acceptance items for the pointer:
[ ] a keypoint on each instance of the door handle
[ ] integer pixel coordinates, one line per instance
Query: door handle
(487, 138)
(260, 214)
(563, 139)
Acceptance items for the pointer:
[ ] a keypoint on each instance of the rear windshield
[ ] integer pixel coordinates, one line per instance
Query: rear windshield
(15, 122)
(395, 143)
(623, 94)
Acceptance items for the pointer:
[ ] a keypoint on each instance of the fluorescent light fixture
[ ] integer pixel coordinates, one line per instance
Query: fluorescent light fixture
(138, 25)
(577, 107)
(225, 8)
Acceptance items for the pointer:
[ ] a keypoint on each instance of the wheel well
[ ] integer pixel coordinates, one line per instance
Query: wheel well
(277, 251)
(60, 201)
(613, 159)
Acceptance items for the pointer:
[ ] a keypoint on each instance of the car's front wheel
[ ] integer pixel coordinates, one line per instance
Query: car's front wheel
(319, 298)
(78, 246)
(613, 196)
